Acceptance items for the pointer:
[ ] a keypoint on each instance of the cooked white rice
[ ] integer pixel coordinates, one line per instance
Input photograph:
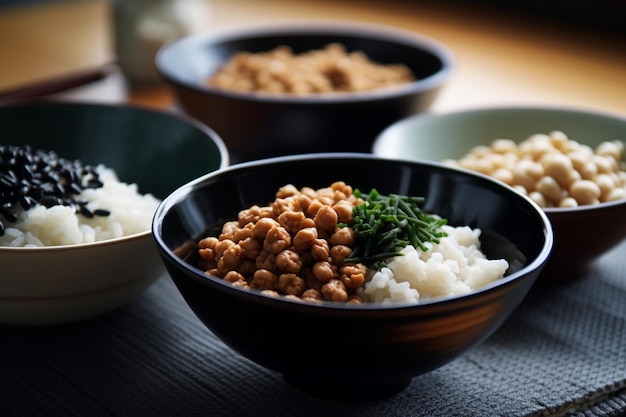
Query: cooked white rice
(131, 213)
(455, 266)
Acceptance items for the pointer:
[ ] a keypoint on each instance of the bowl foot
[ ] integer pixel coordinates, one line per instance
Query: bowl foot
(345, 390)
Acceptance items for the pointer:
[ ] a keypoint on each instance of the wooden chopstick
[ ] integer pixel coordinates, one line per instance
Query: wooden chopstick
(59, 84)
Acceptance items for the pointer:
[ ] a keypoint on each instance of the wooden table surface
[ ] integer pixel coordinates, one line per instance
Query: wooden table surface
(502, 58)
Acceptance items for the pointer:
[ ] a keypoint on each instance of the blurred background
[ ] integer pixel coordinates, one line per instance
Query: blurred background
(508, 52)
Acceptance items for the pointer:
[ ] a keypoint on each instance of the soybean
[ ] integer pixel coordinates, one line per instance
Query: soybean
(552, 169)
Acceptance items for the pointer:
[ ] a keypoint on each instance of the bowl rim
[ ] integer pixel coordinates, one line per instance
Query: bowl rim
(133, 107)
(182, 117)
(255, 296)
(75, 246)
(380, 142)
(312, 27)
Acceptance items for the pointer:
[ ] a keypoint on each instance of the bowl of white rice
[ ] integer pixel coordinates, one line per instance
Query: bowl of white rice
(79, 185)
(348, 273)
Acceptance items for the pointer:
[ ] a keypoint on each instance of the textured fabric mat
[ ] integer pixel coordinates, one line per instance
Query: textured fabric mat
(563, 352)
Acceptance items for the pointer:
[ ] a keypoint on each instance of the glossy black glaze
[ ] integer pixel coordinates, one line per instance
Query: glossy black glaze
(335, 350)
(256, 126)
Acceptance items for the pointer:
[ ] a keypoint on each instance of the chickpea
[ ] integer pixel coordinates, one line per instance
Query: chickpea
(605, 164)
(498, 161)
(250, 215)
(243, 233)
(538, 198)
(353, 275)
(339, 253)
(206, 248)
(579, 160)
(505, 175)
(585, 192)
(307, 222)
(266, 260)
(559, 167)
(262, 226)
(550, 189)
(324, 271)
(606, 184)
(482, 165)
(302, 202)
(280, 205)
(288, 190)
(221, 247)
(305, 239)
(234, 276)
(568, 202)
(344, 236)
(588, 171)
(559, 140)
(289, 261)
(232, 257)
(291, 220)
(524, 174)
(616, 194)
(614, 149)
(346, 189)
(229, 229)
(276, 239)
(312, 294)
(541, 146)
(521, 189)
(480, 151)
(314, 207)
(320, 250)
(504, 146)
(251, 247)
(344, 212)
(334, 290)
(264, 280)
(326, 218)
(291, 284)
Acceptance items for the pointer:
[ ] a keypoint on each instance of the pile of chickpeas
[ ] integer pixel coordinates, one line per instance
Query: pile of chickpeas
(293, 247)
(328, 70)
(552, 169)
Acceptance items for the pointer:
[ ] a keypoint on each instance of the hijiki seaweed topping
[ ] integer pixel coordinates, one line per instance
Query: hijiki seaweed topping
(30, 177)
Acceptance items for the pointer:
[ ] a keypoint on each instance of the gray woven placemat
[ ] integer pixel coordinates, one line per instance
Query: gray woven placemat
(561, 351)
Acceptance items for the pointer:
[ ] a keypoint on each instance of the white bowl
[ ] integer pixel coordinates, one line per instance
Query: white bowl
(156, 150)
(52, 285)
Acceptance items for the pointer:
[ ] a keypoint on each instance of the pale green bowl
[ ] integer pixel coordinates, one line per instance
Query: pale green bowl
(581, 234)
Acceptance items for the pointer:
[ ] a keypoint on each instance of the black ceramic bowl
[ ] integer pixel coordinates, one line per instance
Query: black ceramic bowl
(365, 351)
(158, 151)
(257, 125)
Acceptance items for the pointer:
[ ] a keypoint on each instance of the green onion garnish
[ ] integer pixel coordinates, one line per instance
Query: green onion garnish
(384, 225)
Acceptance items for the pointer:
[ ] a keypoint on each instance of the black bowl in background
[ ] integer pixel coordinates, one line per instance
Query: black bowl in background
(257, 125)
(366, 351)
